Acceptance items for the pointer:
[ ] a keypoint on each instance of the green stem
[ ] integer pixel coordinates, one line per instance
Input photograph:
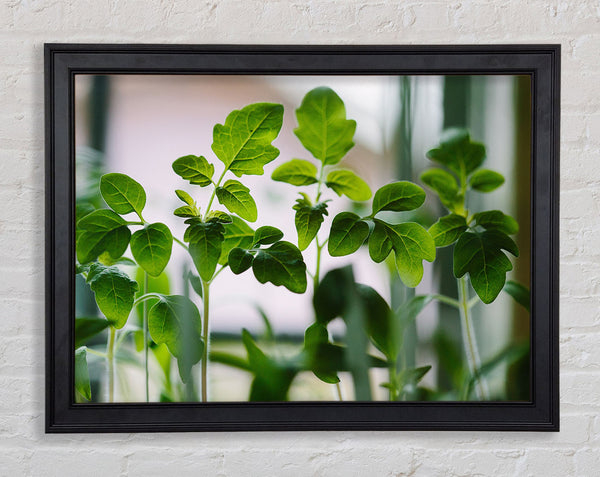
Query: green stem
(146, 344)
(316, 277)
(339, 391)
(97, 353)
(447, 300)
(470, 342)
(214, 192)
(205, 328)
(392, 381)
(110, 357)
(145, 297)
(175, 239)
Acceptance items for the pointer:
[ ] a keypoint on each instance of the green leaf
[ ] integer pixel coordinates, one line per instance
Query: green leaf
(443, 183)
(379, 321)
(196, 283)
(195, 169)
(243, 143)
(219, 216)
(175, 321)
(480, 254)
(101, 231)
(308, 220)
(322, 125)
(236, 197)
(398, 196)
(380, 244)
(206, 241)
(485, 180)
(122, 193)
(239, 260)
(266, 235)
(348, 232)
(348, 183)
(185, 211)
(86, 328)
(83, 208)
(457, 152)
(496, 220)
(412, 244)
(411, 376)
(297, 172)
(329, 300)
(185, 197)
(281, 264)
(82, 375)
(448, 229)
(237, 234)
(151, 247)
(520, 293)
(114, 292)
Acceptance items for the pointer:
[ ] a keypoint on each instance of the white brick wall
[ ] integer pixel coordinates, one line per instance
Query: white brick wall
(27, 24)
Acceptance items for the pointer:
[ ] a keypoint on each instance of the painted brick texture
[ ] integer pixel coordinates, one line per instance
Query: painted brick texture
(26, 25)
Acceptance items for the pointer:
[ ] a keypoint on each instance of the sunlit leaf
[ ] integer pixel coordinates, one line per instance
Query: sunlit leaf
(151, 247)
(496, 220)
(122, 193)
(243, 143)
(448, 229)
(236, 197)
(398, 196)
(308, 220)
(101, 231)
(380, 244)
(348, 183)
(195, 169)
(267, 235)
(237, 234)
(348, 233)
(114, 292)
(206, 240)
(298, 172)
(175, 321)
(322, 125)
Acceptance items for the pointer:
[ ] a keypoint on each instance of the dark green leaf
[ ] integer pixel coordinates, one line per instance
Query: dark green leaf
(267, 235)
(380, 244)
(443, 183)
(519, 292)
(175, 321)
(379, 322)
(237, 234)
(281, 264)
(122, 193)
(348, 233)
(329, 300)
(448, 229)
(239, 260)
(480, 254)
(82, 376)
(297, 172)
(412, 244)
(457, 152)
(236, 197)
(243, 143)
(398, 196)
(114, 292)
(316, 338)
(348, 183)
(496, 220)
(206, 241)
(185, 197)
(101, 231)
(322, 125)
(411, 376)
(485, 180)
(195, 169)
(196, 283)
(151, 247)
(86, 328)
(308, 220)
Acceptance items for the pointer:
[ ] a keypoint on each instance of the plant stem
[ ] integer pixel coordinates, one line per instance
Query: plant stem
(146, 345)
(392, 381)
(110, 358)
(317, 274)
(175, 239)
(339, 391)
(469, 340)
(205, 328)
(214, 192)
(447, 300)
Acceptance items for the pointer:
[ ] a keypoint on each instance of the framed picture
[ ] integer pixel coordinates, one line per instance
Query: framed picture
(301, 238)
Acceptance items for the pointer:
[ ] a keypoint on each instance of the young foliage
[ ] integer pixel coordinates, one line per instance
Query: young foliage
(101, 231)
(151, 247)
(482, 238)
(122, 194)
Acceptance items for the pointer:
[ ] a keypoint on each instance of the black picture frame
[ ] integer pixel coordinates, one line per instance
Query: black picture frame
(63, 61)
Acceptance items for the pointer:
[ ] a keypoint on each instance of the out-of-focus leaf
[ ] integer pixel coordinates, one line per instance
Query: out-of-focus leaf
(88, 327)
(298, 172)
(348, 233)
(82, 376)
(520, 293)
(349, 184)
